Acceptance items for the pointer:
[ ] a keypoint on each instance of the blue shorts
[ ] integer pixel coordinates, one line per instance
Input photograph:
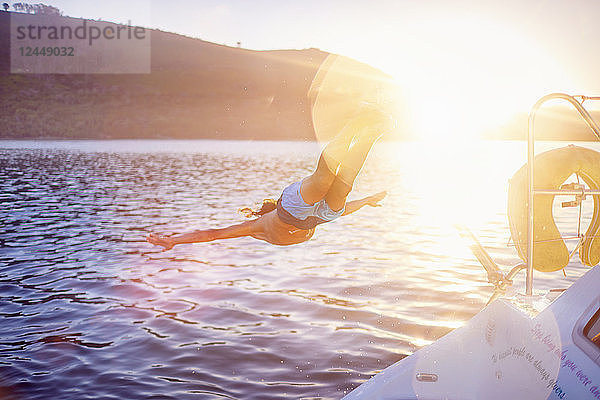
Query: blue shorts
(292, 209)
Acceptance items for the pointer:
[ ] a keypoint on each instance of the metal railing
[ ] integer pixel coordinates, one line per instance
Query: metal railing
(576, 101)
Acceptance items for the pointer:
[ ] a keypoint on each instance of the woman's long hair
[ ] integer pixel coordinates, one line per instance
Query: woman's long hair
(268, 205)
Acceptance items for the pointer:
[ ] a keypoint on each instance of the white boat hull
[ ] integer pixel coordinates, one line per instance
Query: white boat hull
(504, 353)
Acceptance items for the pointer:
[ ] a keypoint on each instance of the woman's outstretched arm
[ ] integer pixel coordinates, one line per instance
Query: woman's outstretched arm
(372, 201)
(238, 230)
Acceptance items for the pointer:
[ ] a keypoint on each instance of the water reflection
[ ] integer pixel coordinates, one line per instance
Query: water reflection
(83, 296)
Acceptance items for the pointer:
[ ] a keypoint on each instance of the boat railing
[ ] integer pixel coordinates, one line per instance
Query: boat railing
(577, 101)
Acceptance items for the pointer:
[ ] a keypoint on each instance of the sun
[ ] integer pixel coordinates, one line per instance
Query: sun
(465, 77)
(443, 120)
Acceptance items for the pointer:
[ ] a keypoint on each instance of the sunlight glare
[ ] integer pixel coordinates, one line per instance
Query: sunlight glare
(467, 76)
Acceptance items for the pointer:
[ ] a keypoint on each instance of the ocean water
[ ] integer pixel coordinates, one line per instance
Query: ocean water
(88, 309)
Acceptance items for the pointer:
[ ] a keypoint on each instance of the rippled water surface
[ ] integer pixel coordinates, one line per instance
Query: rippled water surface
(90, 310)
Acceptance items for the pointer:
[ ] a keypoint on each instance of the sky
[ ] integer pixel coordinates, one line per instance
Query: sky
(464, 66)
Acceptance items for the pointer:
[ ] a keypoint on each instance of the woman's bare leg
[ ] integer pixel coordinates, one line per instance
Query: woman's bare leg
(317, 185)
(355, 158)
(200, 236)
(347, 173)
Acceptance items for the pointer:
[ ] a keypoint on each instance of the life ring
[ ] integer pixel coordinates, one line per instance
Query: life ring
(551, 170)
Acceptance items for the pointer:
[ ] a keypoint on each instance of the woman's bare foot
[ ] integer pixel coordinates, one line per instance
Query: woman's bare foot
(160, 240)
(374, 200)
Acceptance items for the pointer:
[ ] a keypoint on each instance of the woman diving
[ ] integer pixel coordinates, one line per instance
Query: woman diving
(318, 198)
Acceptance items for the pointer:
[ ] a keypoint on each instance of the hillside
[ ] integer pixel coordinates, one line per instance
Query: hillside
(553, 122)
(196, 89)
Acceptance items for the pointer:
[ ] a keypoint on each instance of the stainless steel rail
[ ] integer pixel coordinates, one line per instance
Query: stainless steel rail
(578, 104)
(565, 192)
